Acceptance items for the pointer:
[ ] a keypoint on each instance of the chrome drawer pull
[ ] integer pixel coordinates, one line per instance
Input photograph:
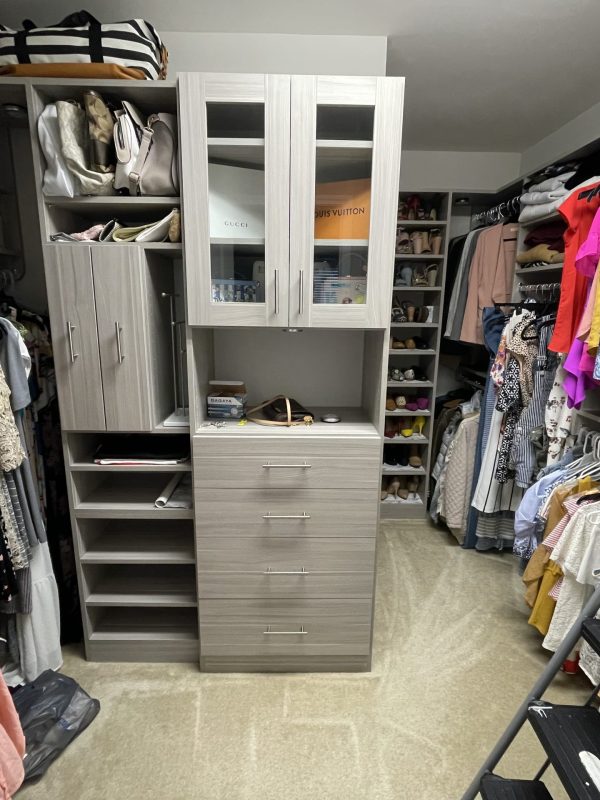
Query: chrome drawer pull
(301, 632)
(118, 332)
(304, 515)
(301, 571)
(286, 466)
(70, 329)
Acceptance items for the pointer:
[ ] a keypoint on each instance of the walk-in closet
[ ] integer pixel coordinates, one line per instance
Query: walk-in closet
(299, 401)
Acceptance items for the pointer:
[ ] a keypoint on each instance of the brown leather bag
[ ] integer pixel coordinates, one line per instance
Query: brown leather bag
(281, 411)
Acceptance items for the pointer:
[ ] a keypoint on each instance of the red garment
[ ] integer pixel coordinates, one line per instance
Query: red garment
(579, 215)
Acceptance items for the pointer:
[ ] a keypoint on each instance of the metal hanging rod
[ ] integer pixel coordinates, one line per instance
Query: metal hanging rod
(498, 213)
(550, 290)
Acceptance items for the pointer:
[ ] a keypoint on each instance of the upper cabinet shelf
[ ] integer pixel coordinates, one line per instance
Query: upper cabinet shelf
(290, 191)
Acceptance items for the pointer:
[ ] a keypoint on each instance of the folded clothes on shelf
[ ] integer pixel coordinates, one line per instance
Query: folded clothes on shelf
(541, 252)
(166, 229)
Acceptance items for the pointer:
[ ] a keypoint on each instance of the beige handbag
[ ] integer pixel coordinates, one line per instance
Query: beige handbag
(282, 411)
(75, 146)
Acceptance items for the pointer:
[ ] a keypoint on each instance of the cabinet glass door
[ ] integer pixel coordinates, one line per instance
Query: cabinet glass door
(239, 190)
(345, 145)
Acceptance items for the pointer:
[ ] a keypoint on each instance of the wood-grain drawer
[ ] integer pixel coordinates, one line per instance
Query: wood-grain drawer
(285, 567)
(287, 471)
(279, 446)
(285, 627)
(286, 512)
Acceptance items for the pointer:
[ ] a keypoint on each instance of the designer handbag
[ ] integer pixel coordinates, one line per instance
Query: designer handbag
(155, 171)
(75, 147)
(58, 180)
(281, 410)
(166, 229)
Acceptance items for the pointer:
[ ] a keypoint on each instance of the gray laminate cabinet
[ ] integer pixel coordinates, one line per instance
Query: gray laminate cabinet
(72, 308)
(110, 322)
(133, 332)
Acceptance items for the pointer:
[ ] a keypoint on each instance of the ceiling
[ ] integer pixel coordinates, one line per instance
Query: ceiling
(481, 75)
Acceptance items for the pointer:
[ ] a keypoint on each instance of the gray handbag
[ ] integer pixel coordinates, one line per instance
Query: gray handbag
(156, 171)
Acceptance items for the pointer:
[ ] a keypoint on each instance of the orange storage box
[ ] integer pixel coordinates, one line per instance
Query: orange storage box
(343, 209)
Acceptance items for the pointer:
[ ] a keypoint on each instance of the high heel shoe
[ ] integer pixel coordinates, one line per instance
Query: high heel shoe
(408, 431)
(416, 240)
(409, 310)
(419, 277)
(414, 458)
(403, 489)
(419, 424)
(422, 403)
(436, 240)
(403, 242)
(431, 272)
(400, 401)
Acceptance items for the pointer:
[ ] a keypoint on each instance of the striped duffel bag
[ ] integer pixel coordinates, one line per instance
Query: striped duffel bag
(80, 39)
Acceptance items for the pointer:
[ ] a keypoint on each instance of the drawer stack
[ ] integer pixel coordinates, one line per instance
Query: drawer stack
(285, 537)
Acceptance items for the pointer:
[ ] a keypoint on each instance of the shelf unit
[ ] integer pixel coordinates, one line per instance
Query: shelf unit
(135, 562)
(427, 360)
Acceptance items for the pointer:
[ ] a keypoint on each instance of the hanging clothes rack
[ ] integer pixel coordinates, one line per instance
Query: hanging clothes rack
(498, 213)
(547, 291)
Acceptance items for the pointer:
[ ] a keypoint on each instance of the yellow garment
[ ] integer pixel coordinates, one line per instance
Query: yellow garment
(541, 252)
(544, 573)
(593, 340)
(534, 572)
(541, 616)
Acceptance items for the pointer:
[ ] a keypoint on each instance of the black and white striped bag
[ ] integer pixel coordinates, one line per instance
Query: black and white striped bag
(81, 39)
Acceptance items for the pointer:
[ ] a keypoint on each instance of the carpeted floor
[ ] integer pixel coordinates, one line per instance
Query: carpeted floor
(453, 658)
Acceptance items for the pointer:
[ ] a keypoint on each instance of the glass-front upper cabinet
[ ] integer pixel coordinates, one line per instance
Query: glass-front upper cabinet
(344, 167)
(235, 157)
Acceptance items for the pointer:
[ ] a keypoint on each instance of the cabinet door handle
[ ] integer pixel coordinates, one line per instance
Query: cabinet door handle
(70, 329)
(301, 571)
(276, 282)
(304, 515)
(286, 466)
(301, 632)
(301, 293)
(118, 331)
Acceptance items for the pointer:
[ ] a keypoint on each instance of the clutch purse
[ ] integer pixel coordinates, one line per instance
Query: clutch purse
(281, 410)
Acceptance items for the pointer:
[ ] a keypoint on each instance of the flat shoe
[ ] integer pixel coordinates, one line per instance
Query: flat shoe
(410, 344)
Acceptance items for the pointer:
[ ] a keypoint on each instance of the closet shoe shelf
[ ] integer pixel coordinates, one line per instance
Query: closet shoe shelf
(495, 788)
(427, 359)
(521, 271)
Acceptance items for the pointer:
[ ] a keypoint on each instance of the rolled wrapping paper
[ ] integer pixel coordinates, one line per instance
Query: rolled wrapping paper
(166, 493)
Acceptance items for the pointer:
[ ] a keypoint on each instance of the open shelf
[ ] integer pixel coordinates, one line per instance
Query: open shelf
(552, 217)
(85, 466)
(419, 257)
(402, 470)
(415, 352)
(354, 422)
(414, 324)
(141, 585)
(422, 223)
(110, 495)
(143, 624)
(137, 542)
(406, 440)
(417, 288)
(341, 242)
(410, 384)
(590, 414)
(552, 268)
(113, 203)
(402, 413)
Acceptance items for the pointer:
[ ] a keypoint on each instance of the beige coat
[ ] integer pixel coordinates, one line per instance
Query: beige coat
(490, 277)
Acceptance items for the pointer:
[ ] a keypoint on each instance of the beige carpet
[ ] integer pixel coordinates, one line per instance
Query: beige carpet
(453, 658)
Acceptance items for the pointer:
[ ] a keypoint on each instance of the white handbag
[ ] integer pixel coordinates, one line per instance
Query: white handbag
(127, 137)
(58, 181)
(166, 229)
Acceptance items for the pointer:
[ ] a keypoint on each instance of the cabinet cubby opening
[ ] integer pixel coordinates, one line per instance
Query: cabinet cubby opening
(437, 200)
(139, 585)
(83, 448)
(333, 369)
(126, 541)
(114, 494)
(143, 624)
